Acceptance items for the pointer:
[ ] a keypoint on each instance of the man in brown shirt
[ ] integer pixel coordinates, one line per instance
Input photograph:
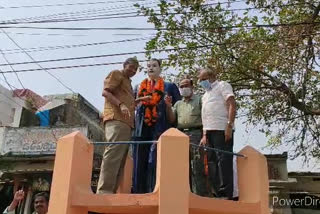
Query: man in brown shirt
(118, 119)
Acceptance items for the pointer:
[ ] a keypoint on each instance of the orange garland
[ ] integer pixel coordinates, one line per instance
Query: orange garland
(150, 116)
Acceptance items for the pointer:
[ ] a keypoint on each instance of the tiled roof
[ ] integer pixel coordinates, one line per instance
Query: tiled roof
(37, 100)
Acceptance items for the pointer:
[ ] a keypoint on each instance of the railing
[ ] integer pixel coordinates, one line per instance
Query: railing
(71, 192)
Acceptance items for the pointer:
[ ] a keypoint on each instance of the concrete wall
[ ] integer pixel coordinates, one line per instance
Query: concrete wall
(305, 183)
(10, 108)
(71, 194)
(33, 140)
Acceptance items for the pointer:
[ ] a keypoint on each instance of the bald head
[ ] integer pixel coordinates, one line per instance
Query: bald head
(207, 74)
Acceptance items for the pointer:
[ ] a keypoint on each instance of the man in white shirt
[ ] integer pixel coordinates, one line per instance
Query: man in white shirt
(41, 201)
(218, 114)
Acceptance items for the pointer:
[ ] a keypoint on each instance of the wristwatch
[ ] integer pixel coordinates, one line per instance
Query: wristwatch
(230, 124)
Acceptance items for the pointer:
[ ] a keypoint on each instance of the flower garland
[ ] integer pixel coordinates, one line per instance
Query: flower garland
(150, 116)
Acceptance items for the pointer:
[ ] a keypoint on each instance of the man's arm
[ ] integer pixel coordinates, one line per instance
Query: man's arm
(18, 196)
(112, 83)
(107, 93)
(171, 117)
(170, 114)
(231, 106)
(6, 211)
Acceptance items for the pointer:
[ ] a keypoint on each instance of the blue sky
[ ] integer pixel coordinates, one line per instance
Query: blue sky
(88, 81)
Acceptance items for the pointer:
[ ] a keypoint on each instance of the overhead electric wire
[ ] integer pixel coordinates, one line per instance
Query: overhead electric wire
(131, 53)
(162, 29)
(106, 9)
(118, 8)
(123, 15)
(38, 63)
(5, 58)
(11, 88)
(67, 4)
(45, 48)
(3, 80)
(46, 34)
(72, 66)
(160, 50)
(6, 80)
(103, 55)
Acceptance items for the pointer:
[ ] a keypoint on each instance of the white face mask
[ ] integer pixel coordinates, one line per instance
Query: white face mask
(185, 92)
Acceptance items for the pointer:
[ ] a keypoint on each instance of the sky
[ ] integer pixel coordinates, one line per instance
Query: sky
(88, 81)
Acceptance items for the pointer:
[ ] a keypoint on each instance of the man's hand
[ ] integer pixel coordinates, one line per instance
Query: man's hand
(203, 141)
(125, 111)
(168, 100)
(18, 196)
(228, 133)
(145, 98)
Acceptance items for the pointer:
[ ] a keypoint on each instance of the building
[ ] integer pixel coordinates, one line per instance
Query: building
(10, 108)
(31, 124)
(300, 189)
(27, 144)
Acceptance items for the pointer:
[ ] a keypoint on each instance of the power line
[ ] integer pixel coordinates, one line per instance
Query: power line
(81, 12)
(46, 34)
(37, 49)
(160, 50)
(6, 80)
(67, 4)
(8, 83)
(126, 15)
(163, 29)
(104, 55)
(74, 66)
(141, 52)
(5, 58)
(37, 63)
(110, 9)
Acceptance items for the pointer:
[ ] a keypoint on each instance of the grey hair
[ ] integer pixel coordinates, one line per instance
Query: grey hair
(211, 71)
(132, 60)
(41, 194)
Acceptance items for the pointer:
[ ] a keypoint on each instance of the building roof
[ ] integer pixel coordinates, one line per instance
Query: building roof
(37, 100)
(284, 155)
(304, 174)
(71, 96)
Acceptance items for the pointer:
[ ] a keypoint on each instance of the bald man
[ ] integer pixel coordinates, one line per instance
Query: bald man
(218, 116)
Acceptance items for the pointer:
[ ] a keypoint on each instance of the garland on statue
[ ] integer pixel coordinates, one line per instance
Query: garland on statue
(156, 93)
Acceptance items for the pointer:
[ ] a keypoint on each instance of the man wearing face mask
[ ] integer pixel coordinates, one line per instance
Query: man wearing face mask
(218, 115)
(187, 114)
(118, 118)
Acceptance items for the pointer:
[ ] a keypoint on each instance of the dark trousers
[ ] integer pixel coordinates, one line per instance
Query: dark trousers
(144, 163)
(220, 164)
(143, 180)
(197, 177)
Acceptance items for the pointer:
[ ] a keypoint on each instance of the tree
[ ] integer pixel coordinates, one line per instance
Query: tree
(268, 51)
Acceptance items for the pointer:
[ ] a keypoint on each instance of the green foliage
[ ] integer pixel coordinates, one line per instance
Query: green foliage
(274, 69)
